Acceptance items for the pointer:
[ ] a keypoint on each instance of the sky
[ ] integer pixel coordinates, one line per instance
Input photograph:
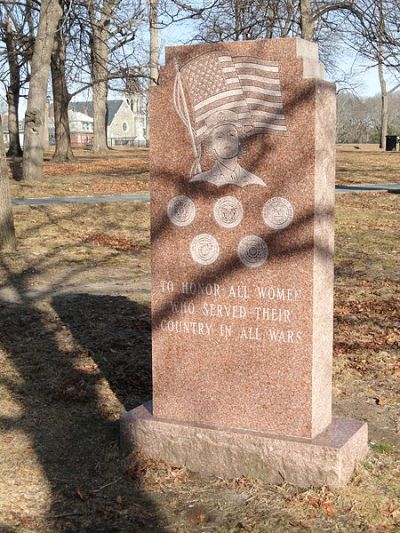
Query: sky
(365, 76)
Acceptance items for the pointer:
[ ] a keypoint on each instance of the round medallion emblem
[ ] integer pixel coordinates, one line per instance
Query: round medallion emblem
(278, 213)
(252, 251)
(181, 210)
(204, 249)
(228, 212)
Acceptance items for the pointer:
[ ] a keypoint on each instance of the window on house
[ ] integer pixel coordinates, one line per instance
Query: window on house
(125, 126)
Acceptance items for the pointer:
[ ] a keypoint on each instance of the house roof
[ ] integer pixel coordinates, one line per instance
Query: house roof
(78, 116)
(112, 108)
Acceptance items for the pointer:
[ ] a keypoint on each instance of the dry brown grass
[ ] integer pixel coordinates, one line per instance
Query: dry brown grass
(123, 171)
(119, 172)
(367, 164)
(74, 358)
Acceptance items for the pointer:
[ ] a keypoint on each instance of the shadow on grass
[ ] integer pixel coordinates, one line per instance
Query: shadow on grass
(15, 166)
(116, 334)
(66, 405)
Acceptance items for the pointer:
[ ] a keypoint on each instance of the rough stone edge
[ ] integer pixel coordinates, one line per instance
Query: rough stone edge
(348, 459)
(232, 453)
(323, 256)
(308, 51)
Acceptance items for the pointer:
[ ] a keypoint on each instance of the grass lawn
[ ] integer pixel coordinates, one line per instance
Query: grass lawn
(75, 352)
(126, 170)
(360, 164)
(121, 171)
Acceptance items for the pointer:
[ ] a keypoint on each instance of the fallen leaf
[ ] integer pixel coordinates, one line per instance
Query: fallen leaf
(329, 509)
(380, 401)
(81, 494)
(201, 517)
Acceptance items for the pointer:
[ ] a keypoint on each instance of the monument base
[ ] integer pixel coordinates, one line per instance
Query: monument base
(328, 459)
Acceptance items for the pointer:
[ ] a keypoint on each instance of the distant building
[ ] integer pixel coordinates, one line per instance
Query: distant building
(126, 121)
(81, 128)
(6, 134)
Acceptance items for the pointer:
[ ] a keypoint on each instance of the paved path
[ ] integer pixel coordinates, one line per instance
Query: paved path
(97, 199)
(145, 197)
(138, 290)
(389, 187)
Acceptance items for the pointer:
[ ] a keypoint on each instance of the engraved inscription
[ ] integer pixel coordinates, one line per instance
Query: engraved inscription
(181, 210)
(278, 213)
(204, 249)
(223, 310)
(252, 251)
(228, 212)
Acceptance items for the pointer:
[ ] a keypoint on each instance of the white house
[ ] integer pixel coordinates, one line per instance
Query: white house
(81, 128)
(6, 134)
(126, 119)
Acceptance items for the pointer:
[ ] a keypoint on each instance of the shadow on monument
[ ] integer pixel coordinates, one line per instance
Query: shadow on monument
(64, 412)
(302, 162)
(292, 247)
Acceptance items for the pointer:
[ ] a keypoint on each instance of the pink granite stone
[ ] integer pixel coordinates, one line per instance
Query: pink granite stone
(329, 459)
(242, 204)
(248, 347)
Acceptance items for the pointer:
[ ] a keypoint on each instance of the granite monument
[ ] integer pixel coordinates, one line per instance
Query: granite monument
(242, 205)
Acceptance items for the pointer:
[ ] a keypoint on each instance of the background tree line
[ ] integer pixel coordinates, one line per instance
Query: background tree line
(359, 119)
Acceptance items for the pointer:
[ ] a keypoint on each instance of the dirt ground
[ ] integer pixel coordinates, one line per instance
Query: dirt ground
(75, 353)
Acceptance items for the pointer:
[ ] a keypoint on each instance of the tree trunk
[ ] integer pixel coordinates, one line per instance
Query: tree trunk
(384, 106)
(154, 42)
(7, 231)
(61, 100)
(306, 20)
(50, 15)
(382, 81)
(100, 90)
(14, 148)
(99, 64)
(45, 129)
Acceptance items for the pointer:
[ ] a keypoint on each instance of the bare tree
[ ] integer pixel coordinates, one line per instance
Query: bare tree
(50, 15)
(380, 55)
(376, 37)
(13, 90)
(154, 41)
(113, 25)
(359, 119)
(7, 231)
(237, 20)
(16, 32)
(61, 99)
(100, 14)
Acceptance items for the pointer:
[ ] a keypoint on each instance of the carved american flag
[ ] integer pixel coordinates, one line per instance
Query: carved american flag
(248, 86)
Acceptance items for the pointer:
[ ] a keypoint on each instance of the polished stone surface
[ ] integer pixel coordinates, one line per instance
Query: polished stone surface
(242, 237)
